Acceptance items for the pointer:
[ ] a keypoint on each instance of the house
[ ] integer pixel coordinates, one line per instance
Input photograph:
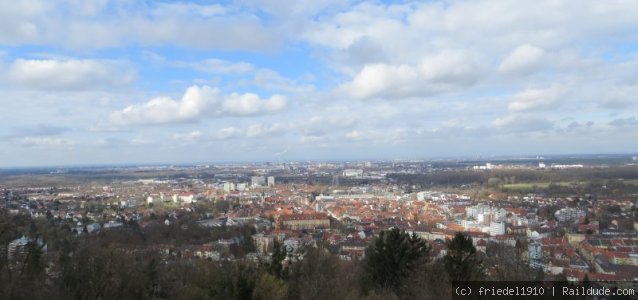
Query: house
(303, 221)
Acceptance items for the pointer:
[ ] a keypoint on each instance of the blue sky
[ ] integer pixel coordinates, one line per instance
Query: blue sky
(115, 82)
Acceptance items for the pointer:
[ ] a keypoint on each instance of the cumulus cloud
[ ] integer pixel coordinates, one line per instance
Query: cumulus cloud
(523, 60)
(72, 74)
(258, 130)
(197, 102)
(434, 75)
(461, 76)
(536, 99)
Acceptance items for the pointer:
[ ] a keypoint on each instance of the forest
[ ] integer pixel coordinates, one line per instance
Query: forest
(124, 264)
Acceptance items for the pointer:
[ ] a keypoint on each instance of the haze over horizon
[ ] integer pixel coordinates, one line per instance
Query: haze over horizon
(117, 82)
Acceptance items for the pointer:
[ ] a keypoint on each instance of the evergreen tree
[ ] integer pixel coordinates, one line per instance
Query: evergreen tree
(461, 260)
(276, 267)
(393, 257)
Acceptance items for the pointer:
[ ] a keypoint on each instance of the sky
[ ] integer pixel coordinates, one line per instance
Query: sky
(126, 81)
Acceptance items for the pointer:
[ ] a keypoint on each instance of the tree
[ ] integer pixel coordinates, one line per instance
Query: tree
(270, 287)
(33, 266)
(461, 261)
(393, 257)
(276, 267)
(321, 275)
(507, 264)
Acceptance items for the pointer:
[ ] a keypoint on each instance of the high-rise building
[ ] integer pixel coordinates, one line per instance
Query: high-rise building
(258, 181)
(17, 250)
(271, 181)
(535, 254)
(228, 187)
(497, 228)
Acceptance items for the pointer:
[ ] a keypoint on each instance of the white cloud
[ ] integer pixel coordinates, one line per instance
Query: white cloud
(197, 102)
(251, 104)
(263, 130)
(72, 74)
(434, 75)
(219, 66)
(271, 80)
(462, 77)
(522, 60)
(537, 99)
(227, 133)
(186, 9)
(17, 21)
(258, 130)
(49, 142)
(101, 24)
(327, 123)
(188, 136)
(355, 135)
(209, 65)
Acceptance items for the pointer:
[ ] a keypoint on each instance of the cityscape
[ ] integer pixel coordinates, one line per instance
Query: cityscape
(318, 149)
(569, 219)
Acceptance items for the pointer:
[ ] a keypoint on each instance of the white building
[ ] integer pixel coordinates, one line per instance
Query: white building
(497, 228)
(258, 181)
(352, 173)
(228, 187)
(112, 224)
(271, 181)
(569, 214)
(17, 250)
(535, 254)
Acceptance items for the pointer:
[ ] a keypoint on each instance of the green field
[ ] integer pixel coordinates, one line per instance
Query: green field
(631, 181)
(532, 185)
(544, 185)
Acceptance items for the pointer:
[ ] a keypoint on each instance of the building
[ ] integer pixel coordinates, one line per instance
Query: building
(258, 181)
(271, 181)
(352, 173)
(569, 214)
(303, 221)
(17, 250)
(263, 243)
(228, 187)
(497, 228)
(535, 254)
